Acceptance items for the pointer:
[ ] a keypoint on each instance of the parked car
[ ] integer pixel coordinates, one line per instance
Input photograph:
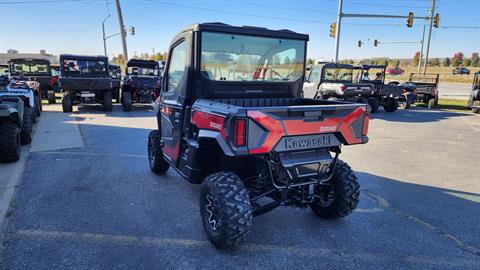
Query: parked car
(461, 71)
(474, 100)
(395, 71)
(230, 117)
(85, 80)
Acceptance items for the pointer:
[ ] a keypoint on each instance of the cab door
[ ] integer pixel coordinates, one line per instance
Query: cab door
(172, 102)
(312, 81)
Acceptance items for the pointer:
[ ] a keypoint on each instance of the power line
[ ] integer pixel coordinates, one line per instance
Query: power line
(48, 1)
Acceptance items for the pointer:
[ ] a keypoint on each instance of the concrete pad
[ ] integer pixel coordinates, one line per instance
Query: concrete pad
(55, 131)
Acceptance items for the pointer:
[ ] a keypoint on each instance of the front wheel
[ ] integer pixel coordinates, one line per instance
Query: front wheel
(27, 125)
(341, 197)
(127, 101)
(157, 163)
(391, 106)
(225, 209)
(67, 102)
(107, 100)
(10, 149)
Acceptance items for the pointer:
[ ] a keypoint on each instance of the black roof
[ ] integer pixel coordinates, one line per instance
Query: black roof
(38, 60)
(140, 62)
(246, 30)
(83, 57)
(373, 66)
(334, 65)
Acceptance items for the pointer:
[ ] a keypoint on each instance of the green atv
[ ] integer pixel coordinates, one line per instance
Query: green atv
(11, 118)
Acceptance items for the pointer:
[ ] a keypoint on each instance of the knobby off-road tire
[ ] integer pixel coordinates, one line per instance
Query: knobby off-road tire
(51, 98)
(39, 105)
(67, 102)
(157, 163)
(27, 126)
(476, 103)
(345, 191)
(391, 105)
(10, 148)
(127, 101)
(225, 209)
(431, 103)
(374, 104)
(107, 100)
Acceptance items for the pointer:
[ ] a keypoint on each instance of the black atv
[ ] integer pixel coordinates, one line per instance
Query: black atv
(38, 70)
(426, 88)
(331, 81)
(85, 80)
(141, 82)
(230, 117)
(386, 95)
(474, 100)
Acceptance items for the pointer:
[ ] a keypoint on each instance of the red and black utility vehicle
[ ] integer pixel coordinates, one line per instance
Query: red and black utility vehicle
(230, 117)
(38, 70)
(141, 82)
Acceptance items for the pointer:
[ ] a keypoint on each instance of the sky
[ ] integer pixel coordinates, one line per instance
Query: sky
(69, 26)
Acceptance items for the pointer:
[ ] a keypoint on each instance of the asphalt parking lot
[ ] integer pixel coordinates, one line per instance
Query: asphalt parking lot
(92, 202)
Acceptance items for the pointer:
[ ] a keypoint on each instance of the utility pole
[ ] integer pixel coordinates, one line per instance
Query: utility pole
(432, 11)
(339, 25)
(104, 39)
(421, 50)
(122, 30)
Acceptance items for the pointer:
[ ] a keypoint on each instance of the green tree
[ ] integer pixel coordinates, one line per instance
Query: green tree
(310, 61)
(475, 60)
(435, 62)
(446, 62)
(158, 57)
(467, 62)
(396, 63)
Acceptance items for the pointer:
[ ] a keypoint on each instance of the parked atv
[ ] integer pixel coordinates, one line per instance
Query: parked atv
(385, 95)
(331, 81)
(426, 90)
(38, 70)
(85, 80)
(31, 107)
(11, 117)
(474, 100)
(141, 83)
(231, 119)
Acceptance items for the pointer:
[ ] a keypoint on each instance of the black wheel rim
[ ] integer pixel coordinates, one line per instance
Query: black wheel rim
(326, 197)
(212, 212)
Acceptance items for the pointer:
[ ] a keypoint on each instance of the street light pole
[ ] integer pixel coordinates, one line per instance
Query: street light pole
(104, 39)
(421, 50)
(122, 30)
(339, 24)
(432, 11)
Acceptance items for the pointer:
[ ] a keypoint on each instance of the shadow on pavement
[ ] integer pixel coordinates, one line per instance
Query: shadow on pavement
(416, 115)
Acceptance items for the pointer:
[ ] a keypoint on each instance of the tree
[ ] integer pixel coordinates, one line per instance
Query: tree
(311, 61)
(446, 62)
(457, 59)
(396, 63)
(435, 62)
(475, 60)
(416, 58)
(120, 59)
(467, 62)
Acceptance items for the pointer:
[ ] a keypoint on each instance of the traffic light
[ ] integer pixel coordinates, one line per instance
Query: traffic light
(132, 30)
(359, 43)
(410, 19)
(333, 29)
(436, 20)
(375, 43)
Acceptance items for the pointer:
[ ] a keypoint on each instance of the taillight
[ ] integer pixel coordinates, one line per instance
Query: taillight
(341, 88)
(240, 132)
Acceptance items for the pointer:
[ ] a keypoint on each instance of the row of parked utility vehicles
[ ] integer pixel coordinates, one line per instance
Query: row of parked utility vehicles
(90, 79)
(366, 84)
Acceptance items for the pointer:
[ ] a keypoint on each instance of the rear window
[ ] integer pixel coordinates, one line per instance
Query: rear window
(73, 67)
(30, 68)
(338, 74)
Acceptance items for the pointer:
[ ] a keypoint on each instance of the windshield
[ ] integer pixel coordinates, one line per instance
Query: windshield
(83, 67)
(142, 71)
(230, 57)
(338, 74)
(21, 68)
